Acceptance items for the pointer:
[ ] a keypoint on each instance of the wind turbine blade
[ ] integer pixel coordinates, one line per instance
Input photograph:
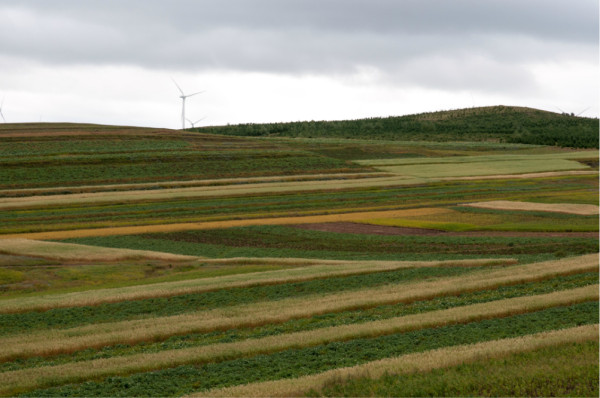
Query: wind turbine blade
(559, 109)
(179, 88)
(199, 92)
(583, 111)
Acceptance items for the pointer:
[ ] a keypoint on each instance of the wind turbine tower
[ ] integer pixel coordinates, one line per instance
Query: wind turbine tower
(183, 97)
(2, 114)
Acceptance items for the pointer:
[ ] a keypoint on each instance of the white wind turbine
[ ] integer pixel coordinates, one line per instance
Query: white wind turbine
(183, 97)
(194, 123)
(2, 114)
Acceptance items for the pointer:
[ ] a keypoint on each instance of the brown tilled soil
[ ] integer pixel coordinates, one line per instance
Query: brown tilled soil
(358, 228)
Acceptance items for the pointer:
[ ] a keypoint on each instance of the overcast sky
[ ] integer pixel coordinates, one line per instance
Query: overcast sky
(112, 61)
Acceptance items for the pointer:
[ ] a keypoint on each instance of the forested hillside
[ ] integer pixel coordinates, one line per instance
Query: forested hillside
(497, 123)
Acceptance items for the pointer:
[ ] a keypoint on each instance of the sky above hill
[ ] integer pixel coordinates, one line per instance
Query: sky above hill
(113, 61)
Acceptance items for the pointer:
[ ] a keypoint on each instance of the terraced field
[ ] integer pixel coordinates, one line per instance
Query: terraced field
(143, 262)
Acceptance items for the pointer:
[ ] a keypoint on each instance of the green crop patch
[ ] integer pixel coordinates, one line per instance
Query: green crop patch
(280, 241)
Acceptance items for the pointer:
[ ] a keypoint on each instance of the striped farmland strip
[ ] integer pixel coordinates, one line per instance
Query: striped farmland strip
(410, 363)
(256, 314)
(75, 372)
(320, 269)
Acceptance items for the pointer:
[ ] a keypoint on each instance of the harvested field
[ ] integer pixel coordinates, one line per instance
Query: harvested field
(511, 158)
(524, 176)
(570, 208)
(371, 229)
(487, 168)
(81, 253)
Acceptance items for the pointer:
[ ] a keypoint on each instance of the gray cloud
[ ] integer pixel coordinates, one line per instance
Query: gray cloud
(429, 42)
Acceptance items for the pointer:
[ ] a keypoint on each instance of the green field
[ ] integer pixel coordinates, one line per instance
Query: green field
(302, 259)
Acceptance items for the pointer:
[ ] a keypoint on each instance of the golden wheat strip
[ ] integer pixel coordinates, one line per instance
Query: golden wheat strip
(523, 176)
(571, 208)
(75, 252)
(54, 341)
(75, 372)
(143, 229)
(410, 363)
(324, 269)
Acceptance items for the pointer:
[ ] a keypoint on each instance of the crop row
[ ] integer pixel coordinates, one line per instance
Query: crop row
(443, 358)
(320, 321)
(303, 361)
(56, 175)
(281, 241)
(188, 303)
(163, 156)
(36, 147)
(55, 341)
(183, 184)
(266, 345)
(69, 215)
(299, 270)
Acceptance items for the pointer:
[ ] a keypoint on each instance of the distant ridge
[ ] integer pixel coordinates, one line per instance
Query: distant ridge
(493, 123)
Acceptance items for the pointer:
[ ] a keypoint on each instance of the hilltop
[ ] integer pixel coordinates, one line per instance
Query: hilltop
(495, 123)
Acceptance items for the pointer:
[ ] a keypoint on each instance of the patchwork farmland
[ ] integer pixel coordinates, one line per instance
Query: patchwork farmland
(153, 262)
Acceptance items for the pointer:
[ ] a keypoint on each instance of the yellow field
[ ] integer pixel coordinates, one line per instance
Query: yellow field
(68, 252)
